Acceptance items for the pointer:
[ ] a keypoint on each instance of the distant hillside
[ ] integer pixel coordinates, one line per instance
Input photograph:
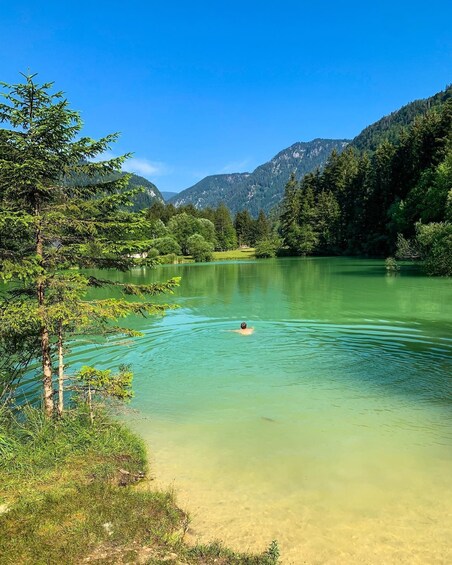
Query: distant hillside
(167, 195)
(211, 190)
(264, 187)
(143, 199)
(140, 201)
(389, 127)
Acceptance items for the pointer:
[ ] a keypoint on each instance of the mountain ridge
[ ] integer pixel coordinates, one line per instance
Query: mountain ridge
(144, 199)
(263, 188)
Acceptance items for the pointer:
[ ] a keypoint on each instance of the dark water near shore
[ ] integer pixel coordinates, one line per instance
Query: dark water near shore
(329, 428)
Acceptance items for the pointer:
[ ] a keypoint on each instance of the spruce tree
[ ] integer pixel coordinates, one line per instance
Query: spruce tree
(290, 213)
(59, 209)
(224, 229)
(261, 227)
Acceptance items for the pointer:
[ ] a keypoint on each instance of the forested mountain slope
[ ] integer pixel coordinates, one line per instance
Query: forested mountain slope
(369, 201)
(264, 187)
(144, 199)
(141, 201)
(390, 127)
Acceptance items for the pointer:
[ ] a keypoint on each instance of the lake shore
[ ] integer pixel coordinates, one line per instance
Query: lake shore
(320, 531)
(74, 493)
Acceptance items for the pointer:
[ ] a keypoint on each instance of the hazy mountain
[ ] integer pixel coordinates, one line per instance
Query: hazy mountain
(167, 195)
(264, 187)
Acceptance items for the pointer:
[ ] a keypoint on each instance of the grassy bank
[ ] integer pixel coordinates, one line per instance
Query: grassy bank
(245, 253)
(71, 493)
(234, 254)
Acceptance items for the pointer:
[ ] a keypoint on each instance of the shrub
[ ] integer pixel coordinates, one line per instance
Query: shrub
(167, 245)
(267, 248)
(391, 265)
(199, 248)
(435, 242)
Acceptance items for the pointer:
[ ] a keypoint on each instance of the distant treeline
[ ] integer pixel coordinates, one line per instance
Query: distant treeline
(188, 231)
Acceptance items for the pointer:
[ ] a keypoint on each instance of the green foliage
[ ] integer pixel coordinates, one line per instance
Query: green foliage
(199, 248)
(267, 247)
(435, 242)
(169, 259)
(104, 383)
(181, 227)
(407, 249)
(244, 227)
(167, 245)
(224, 228)
(363, 201)
(206, 229)
(261, 227)
(215, 226)
(60, 209)
(273, 551)
(391, 265)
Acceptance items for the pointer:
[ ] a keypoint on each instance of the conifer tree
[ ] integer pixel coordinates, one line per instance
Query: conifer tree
(290, 213)
(59, 209)
(224, 228)
(261, 227)
(243, 224)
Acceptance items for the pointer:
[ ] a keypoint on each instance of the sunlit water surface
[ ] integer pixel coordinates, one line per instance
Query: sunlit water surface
(328, 429)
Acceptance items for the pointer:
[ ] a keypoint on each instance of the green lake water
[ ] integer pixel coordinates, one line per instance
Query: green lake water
(328, 429)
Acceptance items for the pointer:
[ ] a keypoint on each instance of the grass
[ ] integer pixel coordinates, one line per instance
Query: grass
(241, 253)
(69, 494)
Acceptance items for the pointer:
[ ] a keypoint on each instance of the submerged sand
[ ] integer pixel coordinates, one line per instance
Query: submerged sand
(392, 512)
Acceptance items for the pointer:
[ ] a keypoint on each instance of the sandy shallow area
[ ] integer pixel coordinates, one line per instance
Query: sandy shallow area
(317, 520)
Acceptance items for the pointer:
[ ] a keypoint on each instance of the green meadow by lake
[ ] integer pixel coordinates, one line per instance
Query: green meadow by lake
(328, 429)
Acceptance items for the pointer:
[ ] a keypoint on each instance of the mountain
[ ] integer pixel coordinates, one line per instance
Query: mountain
(167, 195)
(143, 199)
(390, 127)
(140, 201)
(211, 190)
(264, 187)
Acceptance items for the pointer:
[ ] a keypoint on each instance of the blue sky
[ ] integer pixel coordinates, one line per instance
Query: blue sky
(199, 88)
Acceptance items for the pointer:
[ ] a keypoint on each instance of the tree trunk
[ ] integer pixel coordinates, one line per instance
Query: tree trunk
(45, 339)
(47, 372)
(60, 370)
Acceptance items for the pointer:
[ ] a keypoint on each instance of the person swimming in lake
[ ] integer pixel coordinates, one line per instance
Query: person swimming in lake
(244, 329)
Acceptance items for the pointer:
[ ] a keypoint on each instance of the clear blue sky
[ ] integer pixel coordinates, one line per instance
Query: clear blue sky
(204, 87)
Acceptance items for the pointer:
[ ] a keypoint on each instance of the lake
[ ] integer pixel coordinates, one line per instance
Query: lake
(328, 429)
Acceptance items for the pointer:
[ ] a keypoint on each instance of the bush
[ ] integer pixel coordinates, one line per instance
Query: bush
(199, 248)
(435, 243)
(391, 265)
(267, 248)
(170, 259)
(167, 245)
(153, 253)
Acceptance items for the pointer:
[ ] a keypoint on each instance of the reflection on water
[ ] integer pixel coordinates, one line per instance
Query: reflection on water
(328, 429)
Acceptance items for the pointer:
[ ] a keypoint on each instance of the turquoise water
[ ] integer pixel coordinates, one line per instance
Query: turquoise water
(328, 429)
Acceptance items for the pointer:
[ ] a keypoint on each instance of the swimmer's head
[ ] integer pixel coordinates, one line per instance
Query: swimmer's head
(243, 325)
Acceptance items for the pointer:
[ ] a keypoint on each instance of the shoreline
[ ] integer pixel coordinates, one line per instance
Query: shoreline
(74, 493)
(245, 519)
